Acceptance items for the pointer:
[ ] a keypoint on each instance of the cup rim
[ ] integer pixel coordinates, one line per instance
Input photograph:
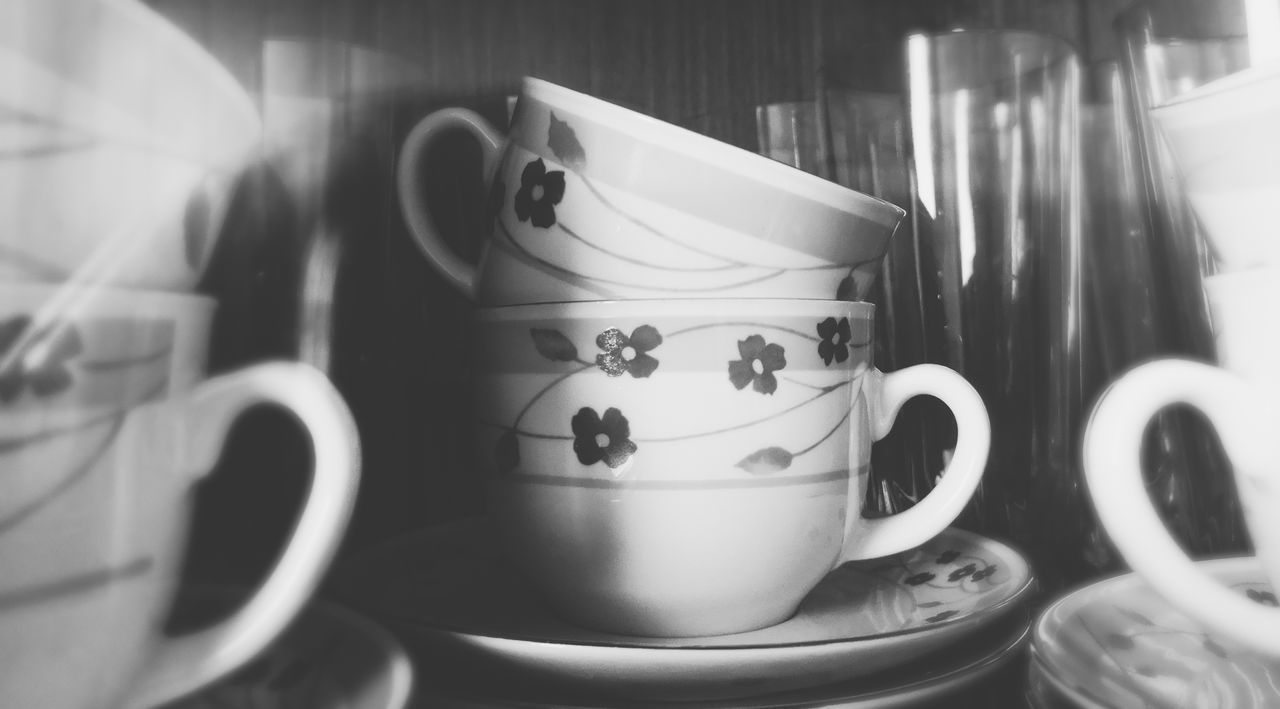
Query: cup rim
(714, 151)
(665, 307)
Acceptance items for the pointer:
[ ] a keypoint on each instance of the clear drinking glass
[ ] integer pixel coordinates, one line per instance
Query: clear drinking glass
(978, 140)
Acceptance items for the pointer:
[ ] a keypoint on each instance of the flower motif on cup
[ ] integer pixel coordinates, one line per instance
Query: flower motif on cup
(602, 438)
(759, 361)
(41, 366)
(835, 339)
(628, 354)
(539, 192)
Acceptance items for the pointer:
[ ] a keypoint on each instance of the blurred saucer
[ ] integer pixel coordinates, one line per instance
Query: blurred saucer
(980, 671)
(330, 658)
(1117, 643)
(445, 591)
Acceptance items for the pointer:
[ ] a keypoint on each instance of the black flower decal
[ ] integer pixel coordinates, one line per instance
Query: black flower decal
(628, 354)
(984, 572)
(835, 339)
(759, 361)
(1266, 598)
(948, 556)
(606, 438)
(962, 572)
(41, 366)
(539, 192)
(917, 579)
(939, 617)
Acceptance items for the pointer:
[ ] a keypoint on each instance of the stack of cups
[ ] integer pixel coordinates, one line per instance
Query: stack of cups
(1223, 138)
(118, 163)
(674, 391)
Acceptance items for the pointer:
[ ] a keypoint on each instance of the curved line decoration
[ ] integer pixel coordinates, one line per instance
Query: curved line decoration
(62, 486)
(73, 585)
(648, 264)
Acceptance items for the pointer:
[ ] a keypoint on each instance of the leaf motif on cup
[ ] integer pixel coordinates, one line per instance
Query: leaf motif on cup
(848, 289)
(834, 342)
(540, 190)
(759, 361)
(553, 345)
(37, 362)
(766, 460)
(602, 438)
(628, 354)
(564, 143)
(1266, 598)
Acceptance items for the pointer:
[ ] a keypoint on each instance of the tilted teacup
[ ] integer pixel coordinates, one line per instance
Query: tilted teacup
(695, 467)
(106, 425)
(1242, 402)
(593, 201)
(122, 142)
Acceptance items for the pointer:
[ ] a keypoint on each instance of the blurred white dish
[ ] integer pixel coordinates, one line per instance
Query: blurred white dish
(1117, 643)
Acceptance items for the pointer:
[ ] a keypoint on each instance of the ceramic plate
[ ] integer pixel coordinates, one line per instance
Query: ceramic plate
(445, 591)
(330, 658)
(1117, 643)
(981, 671)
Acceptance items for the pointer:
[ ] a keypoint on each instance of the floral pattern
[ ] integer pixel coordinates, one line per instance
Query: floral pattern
(628, 354)
(759, 361)
(42, 366)
(540, 190)
(834, 344)
(602, 438)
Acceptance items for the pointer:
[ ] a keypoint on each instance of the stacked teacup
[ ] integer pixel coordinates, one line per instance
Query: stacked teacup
(674, 386)
(121, 139)
(1224, 138)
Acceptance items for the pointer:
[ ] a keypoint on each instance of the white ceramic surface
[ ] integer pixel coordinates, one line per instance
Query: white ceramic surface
(947, 678)
(330, 658)
(1117, 644)
(120, 139)
(1246, 325)
(677, 467)
(447, 593)
(1224, 140)
(593, 201)
(105, 428)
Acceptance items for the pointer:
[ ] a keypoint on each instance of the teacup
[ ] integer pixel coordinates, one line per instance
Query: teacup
(695, 467)
(1242, 402)
(1224, 140)
(107, 426)
(593, 201)
(122, 142)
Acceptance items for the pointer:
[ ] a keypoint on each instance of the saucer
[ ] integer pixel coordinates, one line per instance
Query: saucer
(981, 671)
(1117, 643)
(330, 658)
(445, 591)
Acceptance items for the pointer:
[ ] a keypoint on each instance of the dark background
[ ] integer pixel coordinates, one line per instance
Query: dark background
(315, 264)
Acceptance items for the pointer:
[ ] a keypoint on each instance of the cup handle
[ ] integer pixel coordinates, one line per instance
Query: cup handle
(886, 393)
(458, 272)
(1112, 465)
(183, 664)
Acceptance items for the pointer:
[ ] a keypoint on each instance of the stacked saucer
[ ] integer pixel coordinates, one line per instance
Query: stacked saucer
(921, 624)
(1117, 643)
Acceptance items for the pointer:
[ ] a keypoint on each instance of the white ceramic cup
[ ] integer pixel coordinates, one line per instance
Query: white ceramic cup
(1224, 140)
(120, 145)
(106, 426)
(593, 201)
(1242, 401)
(695, 467)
